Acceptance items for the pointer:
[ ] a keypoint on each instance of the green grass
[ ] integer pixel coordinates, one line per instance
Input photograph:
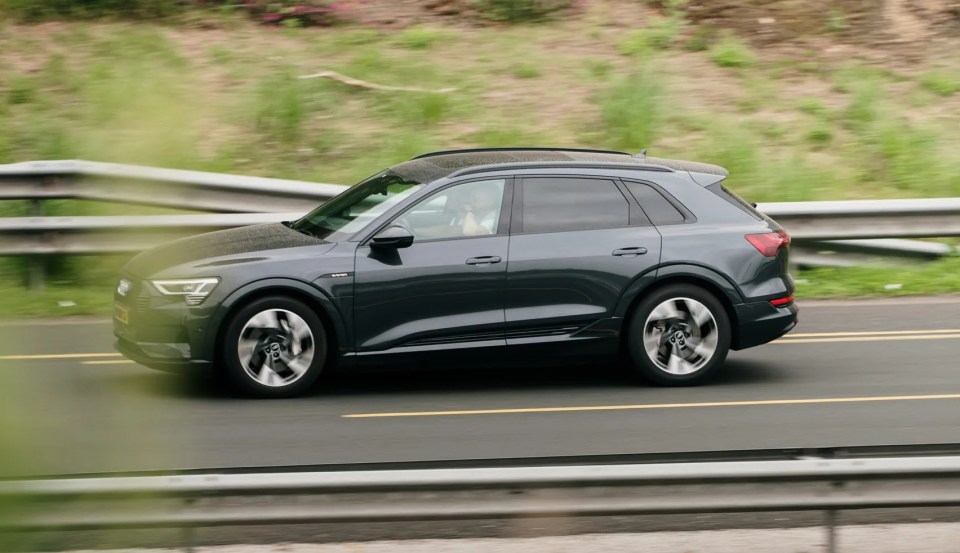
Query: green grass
(420, 37)
(940, 82)
(526, 71)
(57, 301)
(939, 277)
(632, 110)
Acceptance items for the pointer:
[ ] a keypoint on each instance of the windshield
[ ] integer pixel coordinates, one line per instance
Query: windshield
(349, 212)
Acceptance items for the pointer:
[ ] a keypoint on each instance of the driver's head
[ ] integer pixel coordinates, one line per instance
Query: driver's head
(484, 197)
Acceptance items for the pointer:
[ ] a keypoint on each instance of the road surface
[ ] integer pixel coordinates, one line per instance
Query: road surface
(852, 373)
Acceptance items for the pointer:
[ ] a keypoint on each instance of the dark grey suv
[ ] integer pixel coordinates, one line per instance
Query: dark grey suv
(500, 256)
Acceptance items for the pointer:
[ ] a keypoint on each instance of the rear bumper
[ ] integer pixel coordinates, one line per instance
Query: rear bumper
(760, 323)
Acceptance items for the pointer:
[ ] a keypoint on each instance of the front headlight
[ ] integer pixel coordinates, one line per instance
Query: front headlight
(195, 290)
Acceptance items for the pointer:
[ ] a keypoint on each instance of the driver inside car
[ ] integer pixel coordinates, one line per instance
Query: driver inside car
(471, 212)
(480, 214)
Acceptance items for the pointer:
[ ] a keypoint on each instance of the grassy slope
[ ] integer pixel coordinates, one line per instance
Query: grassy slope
(228, 99)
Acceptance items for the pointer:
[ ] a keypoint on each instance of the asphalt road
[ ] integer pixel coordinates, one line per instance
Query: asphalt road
(852, 373)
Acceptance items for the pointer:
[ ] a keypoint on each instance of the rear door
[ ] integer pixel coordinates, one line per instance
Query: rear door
(575, 245)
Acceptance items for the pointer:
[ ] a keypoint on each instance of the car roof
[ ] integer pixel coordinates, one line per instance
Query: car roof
(436, 165)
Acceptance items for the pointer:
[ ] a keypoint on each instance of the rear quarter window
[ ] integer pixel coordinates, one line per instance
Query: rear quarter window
(657, 208)
(732, 198)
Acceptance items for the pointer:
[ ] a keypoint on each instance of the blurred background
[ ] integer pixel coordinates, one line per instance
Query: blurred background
(801, 100)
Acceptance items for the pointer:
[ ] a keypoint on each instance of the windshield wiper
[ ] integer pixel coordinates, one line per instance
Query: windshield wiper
(289, 225)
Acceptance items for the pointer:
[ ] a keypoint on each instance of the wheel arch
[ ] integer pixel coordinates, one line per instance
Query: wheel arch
(710, 280)
(311, 296)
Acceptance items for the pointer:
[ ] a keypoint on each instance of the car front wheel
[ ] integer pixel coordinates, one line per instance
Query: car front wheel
(274, 347)
(679, 336)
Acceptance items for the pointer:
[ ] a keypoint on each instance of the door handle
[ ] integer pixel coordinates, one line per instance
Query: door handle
(630, 252)
(484, 260)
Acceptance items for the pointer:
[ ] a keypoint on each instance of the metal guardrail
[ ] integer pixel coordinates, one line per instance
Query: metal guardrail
(93, 235)
(201, 191)
(845, 220)
(243, 200)
(209, 500)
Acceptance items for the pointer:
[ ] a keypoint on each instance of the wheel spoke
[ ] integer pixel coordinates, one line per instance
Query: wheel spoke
(701, 315)
(676, 363)
(264, 319)
(666, 311)
(702, 351)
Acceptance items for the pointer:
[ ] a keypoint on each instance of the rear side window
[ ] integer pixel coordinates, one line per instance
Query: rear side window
(658, 209)
(736, 200)
(565, 204)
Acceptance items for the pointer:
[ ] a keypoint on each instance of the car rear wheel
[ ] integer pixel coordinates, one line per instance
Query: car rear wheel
(274, 347)
(679, 336)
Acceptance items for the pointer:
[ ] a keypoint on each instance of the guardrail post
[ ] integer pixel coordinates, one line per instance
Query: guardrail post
(830, 523)
(36, 264)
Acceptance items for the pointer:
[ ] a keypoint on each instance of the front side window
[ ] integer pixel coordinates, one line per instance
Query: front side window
(566, 204)
(356, 208)
(468, 209)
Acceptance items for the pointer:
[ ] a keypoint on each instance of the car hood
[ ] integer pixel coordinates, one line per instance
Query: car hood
(219, 244)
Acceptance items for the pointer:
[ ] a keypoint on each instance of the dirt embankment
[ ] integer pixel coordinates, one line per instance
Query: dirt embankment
(860, 21)
(909, 25)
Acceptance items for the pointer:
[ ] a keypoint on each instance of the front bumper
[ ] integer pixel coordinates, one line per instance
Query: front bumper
(760, 323)
(137, 354)
(160, 332)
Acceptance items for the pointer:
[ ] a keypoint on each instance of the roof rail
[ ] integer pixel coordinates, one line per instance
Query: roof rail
(519, 149)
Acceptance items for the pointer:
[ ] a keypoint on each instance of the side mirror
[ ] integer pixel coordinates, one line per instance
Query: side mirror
(392, 237)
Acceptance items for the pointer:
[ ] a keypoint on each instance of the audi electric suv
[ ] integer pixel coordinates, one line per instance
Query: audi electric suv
(494, 256)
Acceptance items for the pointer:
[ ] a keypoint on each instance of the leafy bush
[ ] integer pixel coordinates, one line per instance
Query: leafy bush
(940, 83)
(35, 10)
(660, 34)
(286, 12)
(516, 11)
(731, 52)
(306, 13)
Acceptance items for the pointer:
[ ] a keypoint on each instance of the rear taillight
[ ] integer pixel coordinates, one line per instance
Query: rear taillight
(769, 243)
(782, 301)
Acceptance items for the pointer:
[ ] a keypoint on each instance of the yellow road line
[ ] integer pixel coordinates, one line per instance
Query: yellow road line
(651, 406)
(787, 340)
(109, 362)
(871, 333)
(56, 356)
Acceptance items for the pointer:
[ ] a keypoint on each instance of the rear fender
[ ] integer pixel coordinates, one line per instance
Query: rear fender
(680, 272)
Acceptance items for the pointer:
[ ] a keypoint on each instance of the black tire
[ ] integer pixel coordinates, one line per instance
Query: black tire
(279, 309)
(683, 299)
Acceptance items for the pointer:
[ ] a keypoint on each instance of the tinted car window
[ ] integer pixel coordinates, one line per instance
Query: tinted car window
(731, 197)
(658, 209)
(562, 204)
(469, 209)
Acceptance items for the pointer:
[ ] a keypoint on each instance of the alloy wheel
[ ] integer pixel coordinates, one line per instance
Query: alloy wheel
(680, 336)
(276, 347)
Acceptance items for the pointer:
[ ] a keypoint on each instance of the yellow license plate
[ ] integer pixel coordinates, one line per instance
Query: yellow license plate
(120, 314)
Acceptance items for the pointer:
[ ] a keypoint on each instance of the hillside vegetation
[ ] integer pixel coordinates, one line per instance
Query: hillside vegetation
(859, 101)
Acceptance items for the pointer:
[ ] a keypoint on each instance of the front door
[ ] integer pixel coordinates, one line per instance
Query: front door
(445, 291)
